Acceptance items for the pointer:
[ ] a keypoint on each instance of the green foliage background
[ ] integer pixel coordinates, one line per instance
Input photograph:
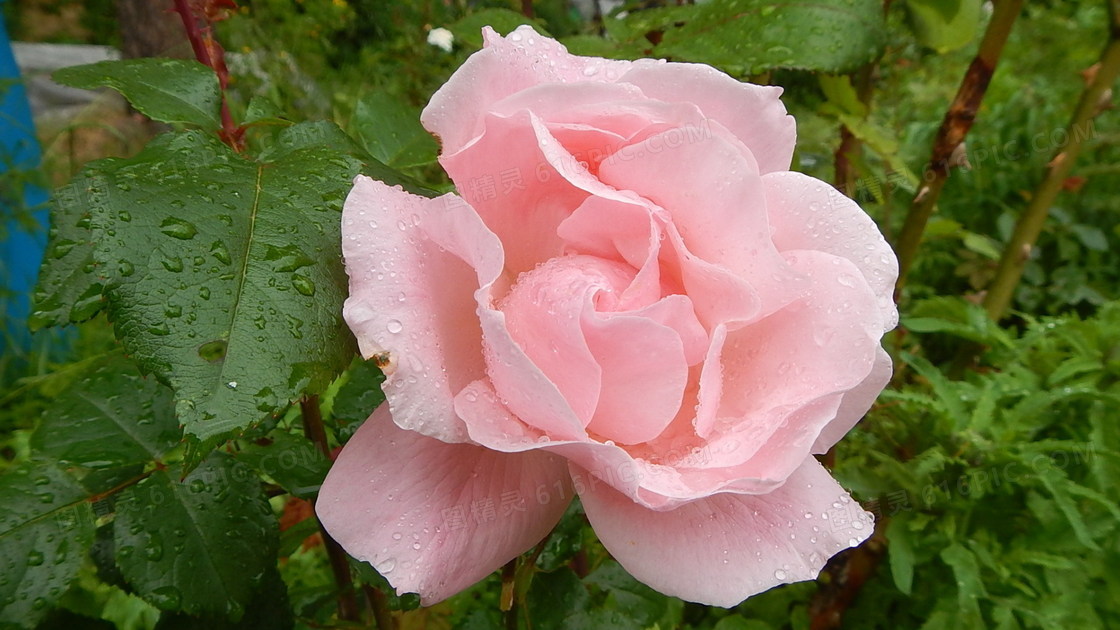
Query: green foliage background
(155, 479)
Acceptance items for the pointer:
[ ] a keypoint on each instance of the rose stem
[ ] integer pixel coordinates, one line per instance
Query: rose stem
(508, 600)
(954, 127)
(347, 603)
(517, 575)
(210, 53)
(379, 602)
(527, 8)
(843, 577)
(1030, 224)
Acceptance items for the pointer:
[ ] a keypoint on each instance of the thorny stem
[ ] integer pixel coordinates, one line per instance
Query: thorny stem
(210, 53)
(954, 127)
(348, 609)
(1030, 224)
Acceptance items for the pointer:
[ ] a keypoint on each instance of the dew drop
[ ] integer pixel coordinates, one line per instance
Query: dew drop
(394, 326)
(303, 285)
(178, 228)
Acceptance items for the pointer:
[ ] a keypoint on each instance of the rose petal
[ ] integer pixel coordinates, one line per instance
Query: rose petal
(821, 344)
(716, 199)
(414, 265)
(543, 313)
(523, 387)
(719, 296)
(785, 376)
(644, 374)
(519, 195)
(504, 67)
(806, 213)
(753, 113)
(493, 425)
(610, 229)
(435, 518)
(722, 549)
(856, 402)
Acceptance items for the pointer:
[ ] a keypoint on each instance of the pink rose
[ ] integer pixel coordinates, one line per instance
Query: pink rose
(633, 299)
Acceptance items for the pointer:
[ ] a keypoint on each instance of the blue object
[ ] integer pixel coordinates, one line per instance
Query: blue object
(23, 210)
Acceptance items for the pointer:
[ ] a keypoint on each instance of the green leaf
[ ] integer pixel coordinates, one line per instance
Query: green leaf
(566, 538)
(262, 111)
(168, 90)
(840, 93)
(639, 604)
(327, 136)
(981, 244)
(738, 622)
(68, 291)
(1075, 366)
(222, 276)
(1091, 237)
(957, 317)
(947, 392)
(504, 21)
(200, 545)
(289, 460)
(269, 609)
(900, 553)
(970, 586)
(1059, 486)
(944, 25)
(113, 417)
(391, 131)
(46, 528)
(754, 36)
(595, 46)
(358, 397)
(553, 597)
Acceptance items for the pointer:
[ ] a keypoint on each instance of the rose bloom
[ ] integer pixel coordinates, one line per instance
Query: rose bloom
(632, 300)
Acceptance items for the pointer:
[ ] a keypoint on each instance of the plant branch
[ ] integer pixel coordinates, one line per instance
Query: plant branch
(209, 52)
(1030, 224)
(94, 498)
(508, 601)
(954, 127)
(843, 578)
(348, 609)
(379, 602)
(850, 145)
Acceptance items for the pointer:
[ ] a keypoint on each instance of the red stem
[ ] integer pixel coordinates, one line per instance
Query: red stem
(210, 53)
